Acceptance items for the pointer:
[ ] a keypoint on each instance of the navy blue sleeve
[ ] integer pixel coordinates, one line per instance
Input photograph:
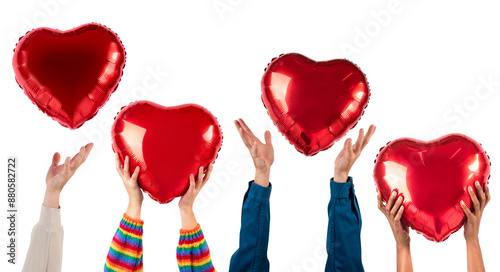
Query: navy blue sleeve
(254, 233)
(343, 242)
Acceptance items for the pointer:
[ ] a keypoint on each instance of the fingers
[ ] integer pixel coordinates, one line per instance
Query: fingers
(395, 208)
(245, 127)
(466, 210)
(237, 124)
(199, 177)
(475, 201)
(118, 164)
(56, 158)
(192, 183)
(88, 148)
(480, 193)
(245, 137)
(67, 167)
(136, 173)
(126, 166)
(368, 136)
(390, 202)
(487, 192)
(399, 214)
(78, 158)
(347, 144)
(267, 137)
(359, 141)
(207, 175)
(380, 203)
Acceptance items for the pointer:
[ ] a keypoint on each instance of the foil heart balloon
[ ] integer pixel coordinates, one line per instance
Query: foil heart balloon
(70, 74)
(167, 143)
(433, 178)
(313, 103)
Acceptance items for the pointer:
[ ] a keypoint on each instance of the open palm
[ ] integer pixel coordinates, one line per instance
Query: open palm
(58, 175)
(350, 153)
(262, 153)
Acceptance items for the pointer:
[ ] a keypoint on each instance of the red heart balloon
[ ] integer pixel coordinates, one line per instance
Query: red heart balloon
(433, 178)
(167, 143)
(313, 103)
(70, 74)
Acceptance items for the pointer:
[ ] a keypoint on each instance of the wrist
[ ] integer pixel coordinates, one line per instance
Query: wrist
(51, 199)
(340, 177)
(402, 246)
(186, 209)
(134, 210)
(262, 177)
(472, 240)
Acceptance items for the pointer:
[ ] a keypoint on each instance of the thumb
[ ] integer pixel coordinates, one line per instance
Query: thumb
(267, 137)
(56, 158)
(347, 143)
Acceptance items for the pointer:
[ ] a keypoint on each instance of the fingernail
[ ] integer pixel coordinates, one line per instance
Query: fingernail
(462, 202)
(400, 198)
(470, 188)
(393, 193)
(477, 183)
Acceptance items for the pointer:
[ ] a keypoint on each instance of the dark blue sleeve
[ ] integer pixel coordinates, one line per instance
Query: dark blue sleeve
(343, 242)
(254, 233)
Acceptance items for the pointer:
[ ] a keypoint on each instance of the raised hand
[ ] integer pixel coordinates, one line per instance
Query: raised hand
(393, 211)
(59, 175)
(187, 200)
(135, 196)
(350, 153)
(262, 153)
(471, 227)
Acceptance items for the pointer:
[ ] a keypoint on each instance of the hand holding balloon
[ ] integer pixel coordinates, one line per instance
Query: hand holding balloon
(187, 200)
(393, 211)
(135, 196)
(59, 175)
(471, 227)
(262, 154)
(350, 153)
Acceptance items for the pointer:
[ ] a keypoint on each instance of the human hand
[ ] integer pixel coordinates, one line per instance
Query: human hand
(134, 192)
(393, 211)
(350, 153)
(187, 200)
(262, 154)
(471, 227)
(59, 175)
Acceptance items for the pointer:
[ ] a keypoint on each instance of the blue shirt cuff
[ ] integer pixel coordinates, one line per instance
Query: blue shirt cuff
(341, 190)
(259, 193)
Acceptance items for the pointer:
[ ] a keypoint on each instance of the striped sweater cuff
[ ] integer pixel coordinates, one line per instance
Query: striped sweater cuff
(193, 253)
(125, 252)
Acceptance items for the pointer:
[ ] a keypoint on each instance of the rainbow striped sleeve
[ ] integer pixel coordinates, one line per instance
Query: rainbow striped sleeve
(125, 252)
(193, 254)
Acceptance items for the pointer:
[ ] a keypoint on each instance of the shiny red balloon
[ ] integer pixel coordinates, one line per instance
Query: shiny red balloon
(314, 103)
(167, 143)
(70, 74)
(433, 178)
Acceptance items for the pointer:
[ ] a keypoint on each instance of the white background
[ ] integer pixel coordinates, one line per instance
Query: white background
(425, 62)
